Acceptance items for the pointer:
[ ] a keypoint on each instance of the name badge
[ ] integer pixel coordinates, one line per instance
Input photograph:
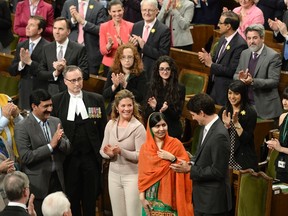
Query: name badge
(282, 164)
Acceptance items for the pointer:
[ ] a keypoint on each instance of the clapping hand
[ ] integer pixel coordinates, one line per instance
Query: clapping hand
(205, 58)
(25, 57)
(57, 136)
(152, 102)
(164, 107)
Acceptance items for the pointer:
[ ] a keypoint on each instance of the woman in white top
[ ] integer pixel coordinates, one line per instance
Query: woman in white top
(123, 137)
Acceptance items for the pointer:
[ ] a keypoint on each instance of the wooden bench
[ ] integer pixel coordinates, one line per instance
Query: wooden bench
(188, 60)
(94, 84)
(201, 34)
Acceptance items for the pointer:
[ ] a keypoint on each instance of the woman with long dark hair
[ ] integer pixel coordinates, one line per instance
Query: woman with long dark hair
(166, 95)
(239, 117)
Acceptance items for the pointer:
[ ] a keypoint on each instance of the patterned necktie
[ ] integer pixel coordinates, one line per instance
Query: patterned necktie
(146, 33)
(232, 162)
(31, 46)
(46, 132)
(255, 55)
(60, 53)
(80, 27)
(221, 51)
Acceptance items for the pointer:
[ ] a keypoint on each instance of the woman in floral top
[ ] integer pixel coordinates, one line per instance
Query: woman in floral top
(239, 117)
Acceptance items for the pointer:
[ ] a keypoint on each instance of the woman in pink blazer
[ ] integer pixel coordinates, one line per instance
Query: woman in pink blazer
(113, 33)
(24, 11)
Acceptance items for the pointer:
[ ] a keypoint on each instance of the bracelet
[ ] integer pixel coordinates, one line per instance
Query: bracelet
(174, 160)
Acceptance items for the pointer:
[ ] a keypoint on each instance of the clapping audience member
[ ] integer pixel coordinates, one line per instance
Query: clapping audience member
(56, 204)
(124, 135)
(125, 73)
(224, 62)
(272, 9)
(6, 35)
(86, 17)
(59, 54)
(27, 58)
(113, 33)
(17, 189)
(249, 14)
(281, 144)
(166, 95)
(6, 166)
(239, 117)
(259, 68)
(161, 189)
(42, 147)
(152, 37)
(281, 35)
(9, 116)
(177, 15)
(27, 8)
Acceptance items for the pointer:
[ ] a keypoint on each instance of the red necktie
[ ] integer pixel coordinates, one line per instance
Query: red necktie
(81, 32)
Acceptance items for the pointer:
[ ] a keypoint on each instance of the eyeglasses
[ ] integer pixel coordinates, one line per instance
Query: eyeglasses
(130, 58)
(221, 23)
(148, 10)
(73, 81)
(168, 69)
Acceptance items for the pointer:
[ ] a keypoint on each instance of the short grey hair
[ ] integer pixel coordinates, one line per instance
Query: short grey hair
(55, 204)
(256, 27)
(14, 185)
(153, 2)
(71, 68)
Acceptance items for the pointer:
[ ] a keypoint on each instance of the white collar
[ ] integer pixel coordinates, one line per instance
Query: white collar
(17, 204)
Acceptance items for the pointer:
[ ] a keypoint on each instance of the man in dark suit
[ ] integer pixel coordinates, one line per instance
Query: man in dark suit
(85, 27)
(271, 9)
(84, 119)
(153, 37)
(16, 186)
(42, 147)
(209, 167)
(60, 53)
(6, 36)
(281, 35)
(225, 61)
(27, 58)
(259, 68)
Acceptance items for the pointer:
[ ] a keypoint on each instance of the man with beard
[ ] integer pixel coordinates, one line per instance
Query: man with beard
(42, 146)
(259, 68)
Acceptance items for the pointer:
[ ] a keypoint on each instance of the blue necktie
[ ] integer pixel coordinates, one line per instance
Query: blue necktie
(286, 50)
(31, 46)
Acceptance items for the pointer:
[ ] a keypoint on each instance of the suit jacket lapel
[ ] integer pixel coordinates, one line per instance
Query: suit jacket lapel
(68, 52)
(37, 128)
(152, 33)
(89, 11)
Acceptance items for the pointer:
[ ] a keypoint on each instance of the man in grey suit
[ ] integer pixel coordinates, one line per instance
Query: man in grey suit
(259, 68)
(58, 54)
(85, 27)
(281, 35)
(27, 58)
(209, 167)
(42, 147)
